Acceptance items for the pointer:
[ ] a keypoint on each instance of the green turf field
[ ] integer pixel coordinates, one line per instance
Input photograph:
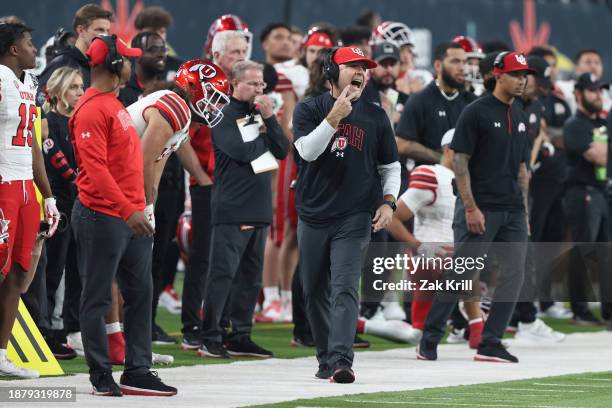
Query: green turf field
(592, 390)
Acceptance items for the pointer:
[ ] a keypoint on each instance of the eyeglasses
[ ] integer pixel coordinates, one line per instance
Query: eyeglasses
(257, 84)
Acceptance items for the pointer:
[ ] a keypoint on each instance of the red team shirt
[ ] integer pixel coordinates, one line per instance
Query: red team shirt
(108, 155)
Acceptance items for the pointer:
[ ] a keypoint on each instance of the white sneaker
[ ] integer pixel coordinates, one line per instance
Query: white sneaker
(556, 311)
(286, 315)
(76, 343)
(539, 332)
(170, 301)
(393, 311)
(395, 330)
(164, 359)
(7, 368)
(272, 311)
(456, 336)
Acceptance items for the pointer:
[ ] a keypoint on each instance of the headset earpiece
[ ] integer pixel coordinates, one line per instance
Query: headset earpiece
(499, 60)
(331, 70)
(113, 61)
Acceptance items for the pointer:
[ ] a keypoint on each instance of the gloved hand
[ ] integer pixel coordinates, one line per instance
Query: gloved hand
(52, 215)
(149, 213)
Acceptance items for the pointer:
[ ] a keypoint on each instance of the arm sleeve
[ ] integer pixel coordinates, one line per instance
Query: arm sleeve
(311, 139)
(391, 177)
(227, 138)
(411, 120)
(55, 159)
(416, 198)
(93, 153)
(576, 140)
(278, 143)
(422, 179)
(465, 139)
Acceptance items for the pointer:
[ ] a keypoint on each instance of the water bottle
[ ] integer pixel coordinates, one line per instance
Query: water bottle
(600, 135)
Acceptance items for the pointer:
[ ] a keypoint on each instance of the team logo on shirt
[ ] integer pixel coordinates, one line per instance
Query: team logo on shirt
(442, 113)
(533, 118)
(521, 127)
(340, 143)
(497, 124)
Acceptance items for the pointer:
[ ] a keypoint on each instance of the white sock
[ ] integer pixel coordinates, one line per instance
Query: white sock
(114, 327)
(285, 296)
(2, 353)
(271, 294)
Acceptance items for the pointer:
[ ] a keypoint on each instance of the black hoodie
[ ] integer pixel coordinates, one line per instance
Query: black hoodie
(70, 57)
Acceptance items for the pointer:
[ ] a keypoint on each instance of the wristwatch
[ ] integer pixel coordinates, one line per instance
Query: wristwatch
(391, 203)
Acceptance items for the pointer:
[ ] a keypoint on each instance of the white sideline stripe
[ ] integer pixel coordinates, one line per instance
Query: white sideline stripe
(454, 404)
(572, 385)
(271, 381)
(538, 390)
(595, 379)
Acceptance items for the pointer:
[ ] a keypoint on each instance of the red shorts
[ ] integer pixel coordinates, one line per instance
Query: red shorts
(19, 205)
(285, 200)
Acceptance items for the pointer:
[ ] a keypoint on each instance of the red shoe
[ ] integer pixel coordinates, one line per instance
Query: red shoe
(476, 327)
(116, 348)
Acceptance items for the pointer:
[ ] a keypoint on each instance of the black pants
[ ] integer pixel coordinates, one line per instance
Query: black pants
(166, 217)
(197, 267)
(589, 221)
(107, 248)
(371, 298)
(501, 226)
(330, 268)
(301, 325)
(236, 267)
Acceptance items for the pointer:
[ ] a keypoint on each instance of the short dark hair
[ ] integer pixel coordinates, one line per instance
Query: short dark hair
(366, 18)
(354, 35)
(10, 33)
(88, 13)
(581, 53)
(142, 38)
(155, 17)
(442, 48)
(542, 51)
(271, 27)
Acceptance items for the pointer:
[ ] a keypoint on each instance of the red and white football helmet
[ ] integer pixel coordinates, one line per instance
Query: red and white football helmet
(208, 89)
(184, 235)
(228, 22)
(398, 33)
(471, 47)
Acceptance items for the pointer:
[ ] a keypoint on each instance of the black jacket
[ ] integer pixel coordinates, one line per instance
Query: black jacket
(240, 196)
(71, 57)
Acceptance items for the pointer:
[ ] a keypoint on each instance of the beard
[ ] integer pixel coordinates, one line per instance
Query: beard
(385, 82)
(450, 81)
(592, 107)
(152, 69)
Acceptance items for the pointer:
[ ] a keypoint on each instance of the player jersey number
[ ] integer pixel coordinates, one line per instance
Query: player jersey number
(27, 116)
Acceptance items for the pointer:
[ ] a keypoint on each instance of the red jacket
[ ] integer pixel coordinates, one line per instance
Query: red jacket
(202, 145)
(108, 155)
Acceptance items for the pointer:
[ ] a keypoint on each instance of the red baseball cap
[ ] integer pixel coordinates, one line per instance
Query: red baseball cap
(320, 39)
(345, 55)
(510, 62)
(98, 50)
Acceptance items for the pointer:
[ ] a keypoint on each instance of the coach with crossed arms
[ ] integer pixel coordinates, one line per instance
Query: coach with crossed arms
(345, 151)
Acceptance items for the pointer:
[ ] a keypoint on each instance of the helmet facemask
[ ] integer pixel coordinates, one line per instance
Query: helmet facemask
(210, 106)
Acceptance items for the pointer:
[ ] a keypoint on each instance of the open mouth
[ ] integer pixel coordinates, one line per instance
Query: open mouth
(357, 82)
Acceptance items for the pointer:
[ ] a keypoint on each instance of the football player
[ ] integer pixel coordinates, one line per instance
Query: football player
(21, 165)
(473, 78)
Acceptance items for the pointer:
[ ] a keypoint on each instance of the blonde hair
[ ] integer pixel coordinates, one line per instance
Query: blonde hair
(57, 86)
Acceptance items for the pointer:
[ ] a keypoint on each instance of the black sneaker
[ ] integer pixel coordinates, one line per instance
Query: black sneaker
(494, 352)
(160, 336)
(245, 347)
(104, 384)
(586, 319)
(304, 341)
(148, 384)
(214, 350)
(343, 374)
(324, 372)
(191, 340)
(426, 350)
(358, 342)
(60, 351)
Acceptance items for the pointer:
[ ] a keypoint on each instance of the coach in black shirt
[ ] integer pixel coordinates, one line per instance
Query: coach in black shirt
(345, 151)
(491, 152)
(429, 113)
(587, 144)
(241, 212)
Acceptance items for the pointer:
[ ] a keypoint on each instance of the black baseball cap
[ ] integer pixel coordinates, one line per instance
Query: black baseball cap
(541, 69)
(386, 50)
(590, 81)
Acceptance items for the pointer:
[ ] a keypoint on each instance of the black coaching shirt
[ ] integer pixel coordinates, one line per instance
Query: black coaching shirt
(578, 135)
(344, 179)
(494, 135)
(428, 115)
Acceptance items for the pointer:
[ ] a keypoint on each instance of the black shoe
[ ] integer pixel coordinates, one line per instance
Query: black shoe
(343, 374)
(160, 336)
(494, 352)
(214, 350)
(586, 319)
(104, 384)
(358, 342)
(304, 341)
(60, 351)
(245, 347)
(148, 384)
(191, 340)
(427, 350)
(324, 372)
